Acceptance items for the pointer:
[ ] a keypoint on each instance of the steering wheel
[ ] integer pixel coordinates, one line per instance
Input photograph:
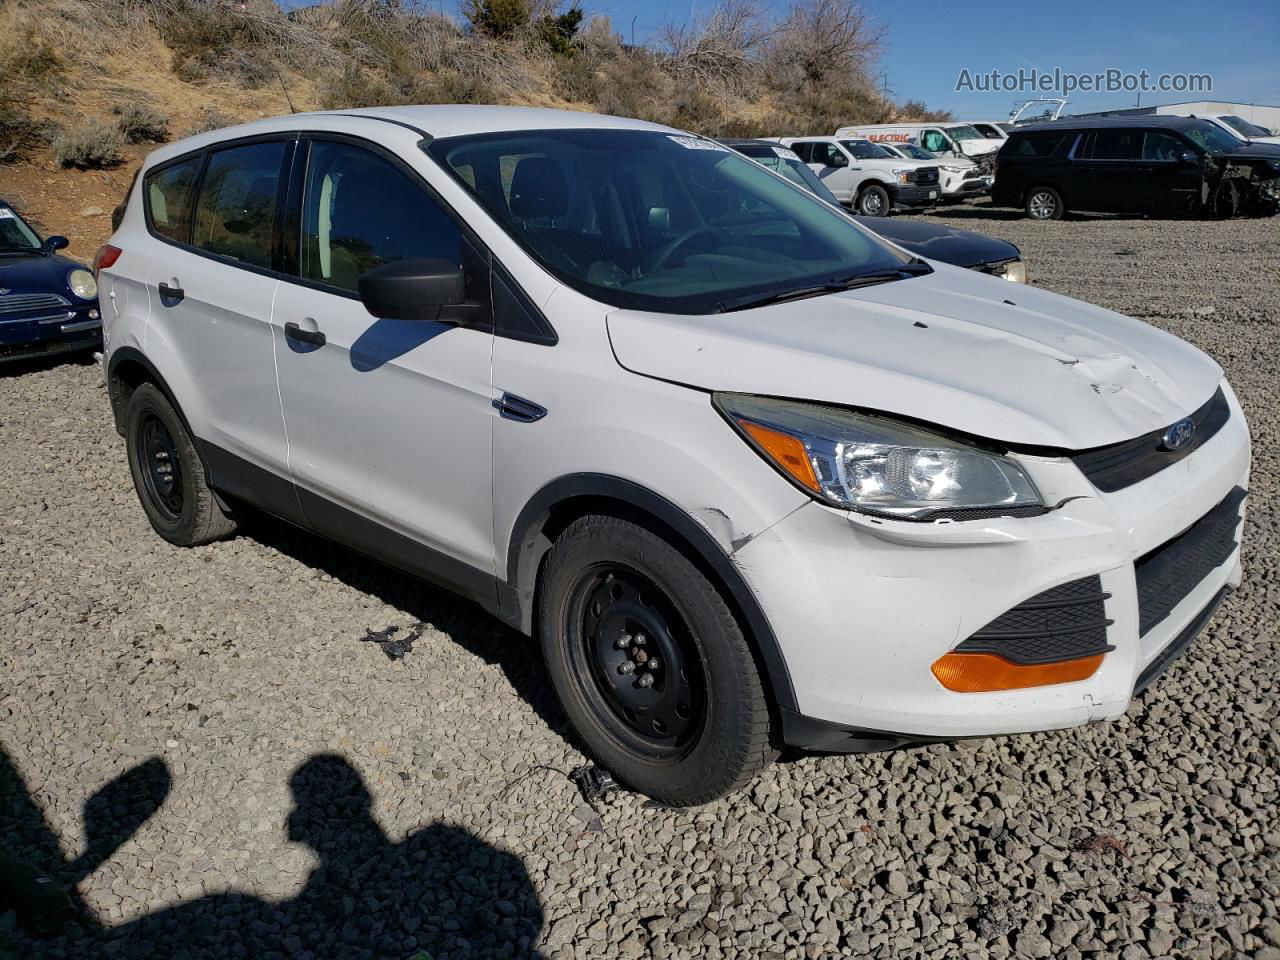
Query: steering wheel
(660, 258)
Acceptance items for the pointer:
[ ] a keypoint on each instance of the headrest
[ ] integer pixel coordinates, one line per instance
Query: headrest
(539, 189)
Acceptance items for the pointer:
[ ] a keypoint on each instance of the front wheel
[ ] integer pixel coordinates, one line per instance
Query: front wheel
(873, 202)
(1045, 203)
(650, 664)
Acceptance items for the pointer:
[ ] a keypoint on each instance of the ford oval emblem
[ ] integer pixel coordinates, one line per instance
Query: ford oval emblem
(1179, 435)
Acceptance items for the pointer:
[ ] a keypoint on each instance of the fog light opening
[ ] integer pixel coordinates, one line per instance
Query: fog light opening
(986, 672)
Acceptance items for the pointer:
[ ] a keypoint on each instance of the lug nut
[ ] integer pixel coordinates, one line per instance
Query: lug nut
(653, 663)
(646, 680)
(627, 667)
(623, 642)
(641, 639)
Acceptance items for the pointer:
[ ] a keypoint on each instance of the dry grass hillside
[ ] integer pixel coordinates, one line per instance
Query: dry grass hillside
(88, 87)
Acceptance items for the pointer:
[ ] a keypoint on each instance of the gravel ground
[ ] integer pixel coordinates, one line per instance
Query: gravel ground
(322, 795)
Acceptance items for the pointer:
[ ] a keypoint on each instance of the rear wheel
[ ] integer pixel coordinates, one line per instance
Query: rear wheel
(650, 664)
(1044, 203)
(168, 474)
(873, 201)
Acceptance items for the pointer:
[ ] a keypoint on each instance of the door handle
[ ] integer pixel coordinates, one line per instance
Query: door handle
(511, 407)
(171, 293)
(295, 332)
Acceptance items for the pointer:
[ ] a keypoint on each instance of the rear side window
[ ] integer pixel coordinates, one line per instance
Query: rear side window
(1034, 144)
(360, 211)
(169, 199)
(1117, 145)
(236, 213)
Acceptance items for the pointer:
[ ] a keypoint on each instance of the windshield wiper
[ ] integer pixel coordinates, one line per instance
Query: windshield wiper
(912, 268)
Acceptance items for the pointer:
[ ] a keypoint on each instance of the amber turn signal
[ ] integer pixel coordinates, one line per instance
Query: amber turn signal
(984, 672)
(786, 451)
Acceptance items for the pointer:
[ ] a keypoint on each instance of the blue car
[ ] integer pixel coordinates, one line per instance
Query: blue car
(48, 303)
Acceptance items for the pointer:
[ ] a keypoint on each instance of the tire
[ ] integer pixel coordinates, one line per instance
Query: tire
(168, 474)
(613, 593)
(874, 201)
(1044, 203)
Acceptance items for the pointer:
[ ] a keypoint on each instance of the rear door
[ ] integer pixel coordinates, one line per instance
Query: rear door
(831, 165)
(389, 421)
(212, 287)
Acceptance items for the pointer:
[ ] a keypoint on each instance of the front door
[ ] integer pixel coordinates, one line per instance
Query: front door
(389, 421)
(1170, 183)
(831, 165)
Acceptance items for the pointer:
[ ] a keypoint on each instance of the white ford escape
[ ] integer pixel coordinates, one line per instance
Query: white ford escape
(750, 475)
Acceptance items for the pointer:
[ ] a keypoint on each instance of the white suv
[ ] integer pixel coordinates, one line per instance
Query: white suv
(749, 474)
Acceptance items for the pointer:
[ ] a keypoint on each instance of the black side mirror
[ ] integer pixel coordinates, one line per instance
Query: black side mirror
(56, 243)
(413, 289)
(1187, 157)
(839, 160)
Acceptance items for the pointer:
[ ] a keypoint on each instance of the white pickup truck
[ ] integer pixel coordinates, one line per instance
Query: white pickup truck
(870, 180)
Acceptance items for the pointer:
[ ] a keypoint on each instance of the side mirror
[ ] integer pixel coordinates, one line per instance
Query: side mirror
(56, 243)
(1187, 157)
(413, 289)
(839, 160)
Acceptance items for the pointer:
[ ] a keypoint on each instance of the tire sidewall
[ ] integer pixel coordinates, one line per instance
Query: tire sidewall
(148, 400)
(709, 766)
(884, 201)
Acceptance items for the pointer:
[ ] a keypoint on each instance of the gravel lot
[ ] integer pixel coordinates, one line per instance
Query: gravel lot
(319, 798)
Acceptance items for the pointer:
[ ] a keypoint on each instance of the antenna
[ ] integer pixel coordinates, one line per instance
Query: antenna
(286, 91)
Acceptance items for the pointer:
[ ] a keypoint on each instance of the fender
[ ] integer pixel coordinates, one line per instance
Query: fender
(122, 355)
(528, 545)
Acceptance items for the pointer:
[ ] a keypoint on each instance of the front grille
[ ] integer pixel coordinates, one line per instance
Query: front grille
(1123, 464)
(27, 302)
(1171, 571)
(925, 176)
(1063, 623)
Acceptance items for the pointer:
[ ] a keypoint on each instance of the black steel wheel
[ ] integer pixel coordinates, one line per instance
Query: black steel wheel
(636, 661)
(650, 663)
(168, 474)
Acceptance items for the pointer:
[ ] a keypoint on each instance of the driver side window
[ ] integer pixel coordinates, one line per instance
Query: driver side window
(934, 141)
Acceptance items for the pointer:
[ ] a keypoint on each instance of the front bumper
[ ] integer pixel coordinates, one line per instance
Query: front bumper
(862, 607)
(914, 195)
(52, 333)
(958, 186)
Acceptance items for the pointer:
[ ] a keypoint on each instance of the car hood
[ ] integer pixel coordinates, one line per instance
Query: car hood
(1256, 149)
(979, 148)
(935, 241)
(955, 348)
(35, 274)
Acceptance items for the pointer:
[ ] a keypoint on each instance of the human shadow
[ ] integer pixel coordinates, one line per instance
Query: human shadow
(441, 892)
(466, 623)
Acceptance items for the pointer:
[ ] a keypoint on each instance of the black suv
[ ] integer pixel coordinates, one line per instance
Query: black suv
(1161, 166)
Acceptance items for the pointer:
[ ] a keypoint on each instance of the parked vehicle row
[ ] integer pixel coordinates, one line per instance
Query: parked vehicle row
(1158, 166)
(750, 474)
(962, 248)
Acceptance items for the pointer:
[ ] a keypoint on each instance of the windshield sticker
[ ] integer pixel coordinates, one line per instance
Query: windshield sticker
(786, 154)
(694, 143)
(6, 214)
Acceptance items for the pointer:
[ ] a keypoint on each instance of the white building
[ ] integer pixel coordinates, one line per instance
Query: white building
(1263, 115)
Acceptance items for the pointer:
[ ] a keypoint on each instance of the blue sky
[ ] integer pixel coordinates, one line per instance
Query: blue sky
(930, 42)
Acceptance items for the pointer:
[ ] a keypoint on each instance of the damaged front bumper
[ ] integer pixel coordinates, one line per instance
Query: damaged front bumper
(863, 607)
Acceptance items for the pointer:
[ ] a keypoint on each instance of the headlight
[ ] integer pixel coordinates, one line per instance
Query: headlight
(82, 284)
(1014, 271)
(903, 174)
(875, 465)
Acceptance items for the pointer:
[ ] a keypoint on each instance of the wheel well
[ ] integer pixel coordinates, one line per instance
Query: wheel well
(123, 378)
(529, 552)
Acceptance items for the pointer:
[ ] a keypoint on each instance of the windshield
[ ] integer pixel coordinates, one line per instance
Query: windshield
(912, 152)
(643, 219)
(1243, 126)
(865, 150)
(15, 235)
(1212, 137)
(964, 132)
(785, 162)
